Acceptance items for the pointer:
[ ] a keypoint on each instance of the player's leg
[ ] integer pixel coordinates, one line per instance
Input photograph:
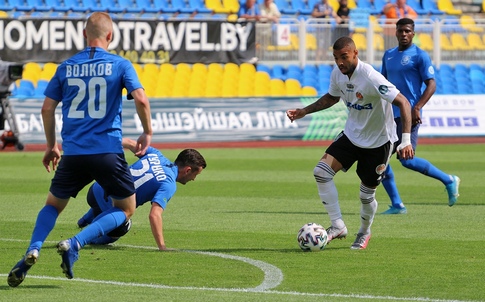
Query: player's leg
(424, 167)
(389, 184)
(370, 167)
(112, 173)
(339, 155)
(66, 183)
(97, 201)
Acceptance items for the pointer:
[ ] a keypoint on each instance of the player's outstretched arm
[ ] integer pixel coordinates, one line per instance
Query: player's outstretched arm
(156, 224)
(322, 103)
(405, 149)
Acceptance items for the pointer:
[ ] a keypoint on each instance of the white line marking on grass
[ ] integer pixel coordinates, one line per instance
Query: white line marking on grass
(273, 277)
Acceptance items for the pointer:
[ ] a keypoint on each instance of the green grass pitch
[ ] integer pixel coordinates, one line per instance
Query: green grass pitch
(234, 231)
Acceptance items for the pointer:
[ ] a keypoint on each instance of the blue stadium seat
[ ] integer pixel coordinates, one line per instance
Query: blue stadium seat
(263, 67)
(57, 5)
(92, 6)
(38, 5)
(284, 7)
(129, 6)
(39, 90)
(112, 6)
(25, 89)
(21, 5)
(416, 5)
(278, 72)
(199, 6)
(147, 6)
(5, 6)
(164, 6)
(182, 7)
(430, 6)
(301, 7)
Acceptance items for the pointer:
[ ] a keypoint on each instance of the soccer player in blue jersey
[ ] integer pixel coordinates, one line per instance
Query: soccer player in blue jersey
(408, 67)
(155, 178)
(89, 85)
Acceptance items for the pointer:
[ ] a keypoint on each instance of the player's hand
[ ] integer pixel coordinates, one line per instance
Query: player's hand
(164, 248)
(51, 156)
(142, 144)
(294, 114)
(416, 116)
(405, 152)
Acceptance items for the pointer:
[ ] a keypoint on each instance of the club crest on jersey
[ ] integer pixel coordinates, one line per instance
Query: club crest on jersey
(380, 169)
(350, 86)
(405, 60)
(359, 95)
(383, 89)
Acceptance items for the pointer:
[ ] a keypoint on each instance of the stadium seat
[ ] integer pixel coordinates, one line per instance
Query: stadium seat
(261, 83)
(310, 41)
(431, 7)
(199, 6)
(448, 7)
(182, 7)
(38, 5)
(215, 68)
(426, 41)
(469, 24)
(309, 91)
(147, 6)
(216, 6)
(263, 67)
(25, 89)
(459, 42)
(416, 5)
(231, 5)
(48, 71)
(277, 88)
(278, 72)
(293, 87)
(475, 41)
(301, 7)
(92, 6)
(360, 41)
(21, 5)
(5, 7)
(446, 43)
(40, 88)
(164, 6)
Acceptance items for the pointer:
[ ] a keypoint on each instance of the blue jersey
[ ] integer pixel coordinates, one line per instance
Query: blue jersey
(407, 70)
(155, 180)
(90, 85)
(253, 11)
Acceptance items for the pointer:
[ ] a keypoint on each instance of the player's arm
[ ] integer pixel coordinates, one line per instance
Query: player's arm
(156, 224)
(322, 103)
(52, 153)
(143, 109)
(129, 144)
(427, 94)
(405, 149)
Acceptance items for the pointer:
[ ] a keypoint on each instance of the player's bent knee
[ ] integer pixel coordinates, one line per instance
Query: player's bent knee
(121, 230)
(323, 173)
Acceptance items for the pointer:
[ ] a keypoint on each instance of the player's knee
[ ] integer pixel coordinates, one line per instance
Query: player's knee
(121, 230)
(367, 195)
(323, 173)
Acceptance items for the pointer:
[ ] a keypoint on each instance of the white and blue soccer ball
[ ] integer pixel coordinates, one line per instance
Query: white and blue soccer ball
(312, 237)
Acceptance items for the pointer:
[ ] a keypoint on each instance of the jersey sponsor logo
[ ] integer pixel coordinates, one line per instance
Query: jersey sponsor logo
(383, 89)
(359, 107)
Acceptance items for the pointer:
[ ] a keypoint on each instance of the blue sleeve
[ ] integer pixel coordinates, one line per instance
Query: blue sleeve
(426, 69)
(131, 81)
(383, 67)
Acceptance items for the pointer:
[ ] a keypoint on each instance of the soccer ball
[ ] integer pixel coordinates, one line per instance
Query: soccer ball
(312, 237)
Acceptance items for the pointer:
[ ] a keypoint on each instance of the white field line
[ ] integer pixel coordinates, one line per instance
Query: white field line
(273, 277)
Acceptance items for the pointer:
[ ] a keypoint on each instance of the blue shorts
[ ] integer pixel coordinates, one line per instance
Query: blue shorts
(414, 134)
(75, 172)
(371, 163)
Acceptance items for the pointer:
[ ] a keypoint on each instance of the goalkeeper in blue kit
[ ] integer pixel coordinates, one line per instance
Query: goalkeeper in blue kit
(155, 178)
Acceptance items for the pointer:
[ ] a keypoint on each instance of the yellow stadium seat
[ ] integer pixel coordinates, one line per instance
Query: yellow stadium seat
(216, 6)
(183, 67)
(426, 41)
(360, 41)
(33, 67)
(261, 84)
(375, 24)
(309, 91)
(167, 68)
(459, 42)
(293, 87)
(352, 4)
(475, 42)
(277, 87)
(247, 68)
(334, 4)
(310, 41)
(468, 23)
(378, 42)
(232, 6)
(446, 43)
(215, 67)
(199, 68)
(48, 71)
(448, 7)
(3, 14)
(138, 69)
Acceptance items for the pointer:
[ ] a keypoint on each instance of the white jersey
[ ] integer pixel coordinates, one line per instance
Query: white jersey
(368, 96)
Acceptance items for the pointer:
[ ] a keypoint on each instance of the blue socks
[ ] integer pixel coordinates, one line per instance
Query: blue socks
(103, 224)
(46, 220)
(426, 168)
(390, 185)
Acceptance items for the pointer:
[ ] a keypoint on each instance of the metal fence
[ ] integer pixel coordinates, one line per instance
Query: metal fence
(310, 41)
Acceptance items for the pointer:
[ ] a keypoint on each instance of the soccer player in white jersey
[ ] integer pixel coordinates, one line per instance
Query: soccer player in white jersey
(408, 67)
(368, 137)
